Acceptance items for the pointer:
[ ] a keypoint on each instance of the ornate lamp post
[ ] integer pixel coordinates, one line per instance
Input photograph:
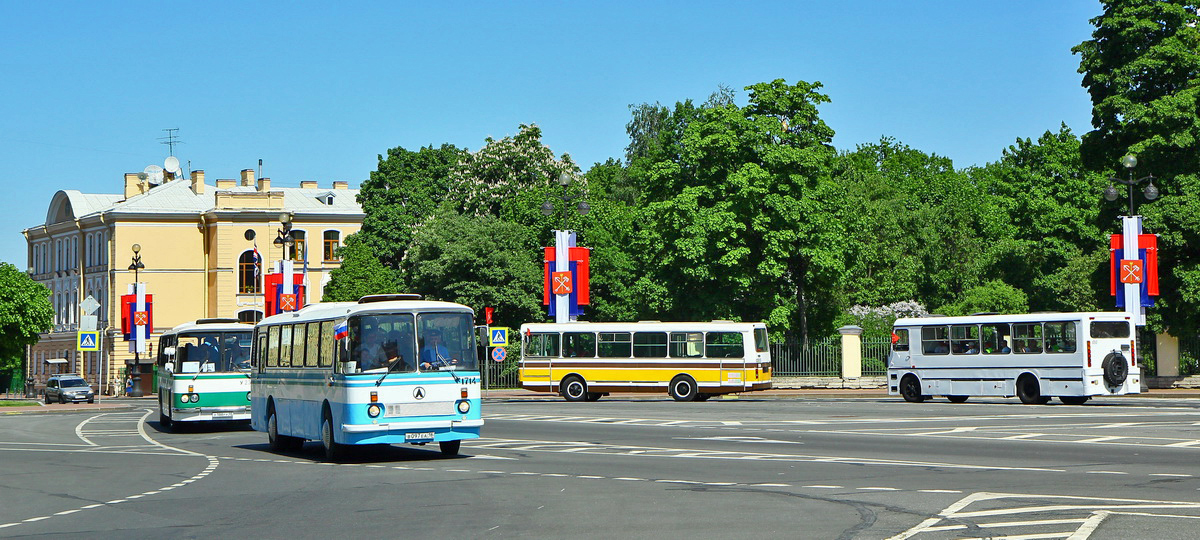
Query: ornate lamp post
(564, 240)
(1150, 192)
(1130, 292)
(284, 239)
(135, 369)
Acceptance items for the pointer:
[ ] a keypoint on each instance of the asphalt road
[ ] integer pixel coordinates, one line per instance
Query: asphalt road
(795, 467)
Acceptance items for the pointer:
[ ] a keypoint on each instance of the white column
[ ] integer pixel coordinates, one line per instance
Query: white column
(1131, 227)
(563, 241)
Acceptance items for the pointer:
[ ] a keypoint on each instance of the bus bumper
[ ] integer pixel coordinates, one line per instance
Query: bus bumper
(402, 432)
(203, 414)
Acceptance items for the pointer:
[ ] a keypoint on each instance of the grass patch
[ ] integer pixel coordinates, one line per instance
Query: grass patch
(16, 403)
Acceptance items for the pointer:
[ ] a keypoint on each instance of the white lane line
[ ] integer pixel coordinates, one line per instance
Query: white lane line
(819, 486)
(1104, 472)
(1172, 475)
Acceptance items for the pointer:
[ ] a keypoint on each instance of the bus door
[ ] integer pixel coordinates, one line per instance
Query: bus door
(900, 355)
(730, 348)
(541, 350)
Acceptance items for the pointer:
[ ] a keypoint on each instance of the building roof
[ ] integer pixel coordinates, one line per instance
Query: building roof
(177, 197)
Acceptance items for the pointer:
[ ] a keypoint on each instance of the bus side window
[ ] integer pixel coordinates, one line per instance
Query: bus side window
(273, 346)
(1027, 338)
(995, 338)
(649, 344)
(900, 339)
(327, 343)
(579, 344)
(723, 345)
(964, 339)
(260, 352)
(935, 340)
(542, 344)
(1060, 337)
(615, 345)
(687, 344)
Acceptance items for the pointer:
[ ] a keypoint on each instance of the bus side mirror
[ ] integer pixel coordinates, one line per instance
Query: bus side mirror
(168, 351)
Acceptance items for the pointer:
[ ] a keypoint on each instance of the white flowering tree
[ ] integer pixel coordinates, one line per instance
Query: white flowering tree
(877, 321)
(509, 178)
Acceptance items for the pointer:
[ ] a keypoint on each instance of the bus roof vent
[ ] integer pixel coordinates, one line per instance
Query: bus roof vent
(216, 321)
(370, 298)
(982, 313)
(721, 320)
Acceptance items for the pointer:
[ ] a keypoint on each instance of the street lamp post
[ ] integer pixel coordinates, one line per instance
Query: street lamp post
(1130, 293)
(283, 237)
(135, 369)
(564, 240)
(1150, 192)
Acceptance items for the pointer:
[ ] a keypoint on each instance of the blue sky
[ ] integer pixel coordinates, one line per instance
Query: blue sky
(318, 91)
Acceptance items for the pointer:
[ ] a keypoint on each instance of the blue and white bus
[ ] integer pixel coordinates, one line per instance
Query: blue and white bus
(388, 369)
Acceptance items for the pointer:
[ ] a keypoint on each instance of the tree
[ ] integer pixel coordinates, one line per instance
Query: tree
(360, 274)
(477, 261)
(1142, 70)
(732, 206)
(993, 296)
(1058, 253)
(402, 192)
(25, 312)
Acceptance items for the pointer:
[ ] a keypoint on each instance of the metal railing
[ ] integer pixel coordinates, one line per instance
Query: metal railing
(822, 357)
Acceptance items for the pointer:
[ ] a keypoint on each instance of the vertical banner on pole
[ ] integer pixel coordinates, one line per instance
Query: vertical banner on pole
(1133, 269)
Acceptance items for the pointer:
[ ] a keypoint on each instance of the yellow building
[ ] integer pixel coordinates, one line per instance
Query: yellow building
(197, 244)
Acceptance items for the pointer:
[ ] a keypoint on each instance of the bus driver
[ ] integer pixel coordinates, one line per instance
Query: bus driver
(434, 354)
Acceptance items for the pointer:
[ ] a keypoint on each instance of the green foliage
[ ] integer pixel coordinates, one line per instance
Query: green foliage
(1142, 70)
(25, 312)
(1058, 249)
(403, 192)
(477, 261)
(360, 274)
(993, 296)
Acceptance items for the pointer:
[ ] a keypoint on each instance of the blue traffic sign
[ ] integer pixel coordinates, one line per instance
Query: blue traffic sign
(498, 336)
(498, 354)
(87, 340)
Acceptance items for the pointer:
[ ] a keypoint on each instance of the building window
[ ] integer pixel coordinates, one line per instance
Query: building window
(249, 316)
(332, 238)
(298, 250)
(248, 273)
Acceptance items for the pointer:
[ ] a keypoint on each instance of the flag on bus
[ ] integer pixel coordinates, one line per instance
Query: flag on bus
(341, 330)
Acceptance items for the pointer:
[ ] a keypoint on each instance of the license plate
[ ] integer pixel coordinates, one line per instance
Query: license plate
(420, 436)
(223, 415)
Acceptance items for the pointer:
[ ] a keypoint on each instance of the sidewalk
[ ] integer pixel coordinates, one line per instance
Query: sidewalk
(103, 403)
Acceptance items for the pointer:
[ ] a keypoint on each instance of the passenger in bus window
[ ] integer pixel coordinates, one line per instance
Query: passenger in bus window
(371, 354)
(972, 348)
(237, 355)
(434, 354)
(393, 350)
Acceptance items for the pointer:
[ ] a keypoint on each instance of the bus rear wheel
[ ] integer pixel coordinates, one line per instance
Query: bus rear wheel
(1029, 390)
(683, 388)
(574, 389)
(1073, 400)
(277, 442)
(957, 399)
(910, 389)
(594, 396)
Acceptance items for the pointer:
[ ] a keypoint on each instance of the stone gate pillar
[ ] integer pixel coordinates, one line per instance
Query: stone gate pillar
(851, 351)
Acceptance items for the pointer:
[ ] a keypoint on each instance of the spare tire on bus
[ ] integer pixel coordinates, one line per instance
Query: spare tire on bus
(1116, 369)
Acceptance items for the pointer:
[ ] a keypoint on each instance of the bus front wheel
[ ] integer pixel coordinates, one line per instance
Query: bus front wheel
(910, 389)
(279, 443)
(1030, 391)
(1074, 400)
(333, 450)
(450, 448)
(683, 388)
(957, 399)
(574, 389)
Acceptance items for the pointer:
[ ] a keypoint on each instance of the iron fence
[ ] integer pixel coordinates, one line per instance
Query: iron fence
(822, 357)
(1189, 356)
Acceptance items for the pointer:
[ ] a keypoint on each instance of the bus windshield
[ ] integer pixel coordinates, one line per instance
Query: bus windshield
(447, 341)
(380, 341)
(209, 352)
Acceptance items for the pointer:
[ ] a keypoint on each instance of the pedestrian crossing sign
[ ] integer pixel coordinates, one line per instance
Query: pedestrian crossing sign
(498, 336)
(88, 340)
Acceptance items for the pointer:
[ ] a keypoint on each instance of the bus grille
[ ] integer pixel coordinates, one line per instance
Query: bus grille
(432, 408)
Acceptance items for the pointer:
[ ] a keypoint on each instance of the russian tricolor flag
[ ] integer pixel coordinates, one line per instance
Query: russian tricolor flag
(341, 330)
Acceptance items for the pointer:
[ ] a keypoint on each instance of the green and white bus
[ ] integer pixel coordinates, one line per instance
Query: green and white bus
(204, 372)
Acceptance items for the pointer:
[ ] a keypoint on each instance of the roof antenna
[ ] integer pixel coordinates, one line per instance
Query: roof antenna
(171, 140)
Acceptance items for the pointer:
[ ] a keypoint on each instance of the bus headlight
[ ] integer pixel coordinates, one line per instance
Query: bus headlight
(248, 396)
(373, 410)
(464, 406)
(195, 398)
(185, 398)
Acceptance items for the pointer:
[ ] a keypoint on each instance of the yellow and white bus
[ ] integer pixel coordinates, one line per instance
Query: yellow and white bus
(691, 361)
(1072, 356)
(204, 372)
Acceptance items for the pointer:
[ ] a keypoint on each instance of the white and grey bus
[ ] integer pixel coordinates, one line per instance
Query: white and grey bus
(204, 372)
(386, 369)
(1072, 356)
